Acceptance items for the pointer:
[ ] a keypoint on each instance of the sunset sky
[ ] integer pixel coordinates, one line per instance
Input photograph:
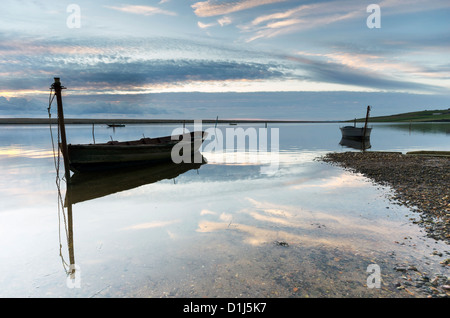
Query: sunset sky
(196, 59)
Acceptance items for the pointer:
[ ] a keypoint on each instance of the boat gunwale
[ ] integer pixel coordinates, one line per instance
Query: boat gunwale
(165, 141)
(106, 145)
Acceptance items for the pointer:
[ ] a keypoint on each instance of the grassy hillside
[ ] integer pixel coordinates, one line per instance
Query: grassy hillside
(420, 116)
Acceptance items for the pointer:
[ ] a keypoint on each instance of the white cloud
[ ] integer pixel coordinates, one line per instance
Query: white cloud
(142, 10)
(211, 8)
(204, 25)
(224, 21)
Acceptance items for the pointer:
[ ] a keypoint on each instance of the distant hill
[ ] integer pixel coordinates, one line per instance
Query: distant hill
(442, 115)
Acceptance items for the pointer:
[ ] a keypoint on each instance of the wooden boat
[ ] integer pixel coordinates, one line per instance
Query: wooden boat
(357, 133)
(115, 154)
(351, 132)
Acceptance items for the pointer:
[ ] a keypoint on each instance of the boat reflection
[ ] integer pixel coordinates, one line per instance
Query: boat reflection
(356, 144)
(93, 185)
(85, 186)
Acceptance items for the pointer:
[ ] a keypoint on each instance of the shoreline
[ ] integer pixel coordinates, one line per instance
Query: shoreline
(419, 181)
(106, 121)
(130, 121)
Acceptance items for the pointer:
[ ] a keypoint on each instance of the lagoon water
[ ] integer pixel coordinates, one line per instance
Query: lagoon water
(220, 229)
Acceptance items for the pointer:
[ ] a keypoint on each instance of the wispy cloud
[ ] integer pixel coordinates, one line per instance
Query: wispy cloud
(142, 10)
(202, 25)
(225, 21)
(110, 68)
(311, 16)
(211, 8)
(301, 18)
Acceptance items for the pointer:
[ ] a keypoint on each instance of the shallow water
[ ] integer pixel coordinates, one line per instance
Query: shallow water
(227, 228)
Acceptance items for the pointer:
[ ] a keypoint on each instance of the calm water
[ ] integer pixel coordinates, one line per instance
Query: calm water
(221, 229)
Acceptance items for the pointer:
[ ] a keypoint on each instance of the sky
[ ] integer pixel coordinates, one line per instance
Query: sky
(198, 59)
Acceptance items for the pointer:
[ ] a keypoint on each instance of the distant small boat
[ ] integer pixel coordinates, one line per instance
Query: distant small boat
(357, 133)
(115, 154)
(116, 125)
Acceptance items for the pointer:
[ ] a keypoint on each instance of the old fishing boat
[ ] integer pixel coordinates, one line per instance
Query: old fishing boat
(357, 133)
(115, 154)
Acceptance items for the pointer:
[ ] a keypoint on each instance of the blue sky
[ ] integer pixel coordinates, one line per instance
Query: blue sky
(196, 59)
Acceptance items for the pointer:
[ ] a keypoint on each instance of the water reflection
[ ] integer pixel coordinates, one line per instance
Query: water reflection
(424, 128)
(212, 233)
(15, 151)
(93, 185)
(356, 144)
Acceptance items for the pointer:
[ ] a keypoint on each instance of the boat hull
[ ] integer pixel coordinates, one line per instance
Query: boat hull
(91, 157)
(355, 133)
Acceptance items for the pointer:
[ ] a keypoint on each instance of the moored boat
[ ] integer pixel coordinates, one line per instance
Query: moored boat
(115, 154)
(357, 133)
(351, 132)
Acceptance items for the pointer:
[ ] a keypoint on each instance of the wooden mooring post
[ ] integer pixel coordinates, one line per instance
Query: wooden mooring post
(61, 126)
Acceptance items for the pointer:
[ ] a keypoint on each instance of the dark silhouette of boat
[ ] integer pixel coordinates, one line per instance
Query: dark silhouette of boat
(115, 154)
(357, 133)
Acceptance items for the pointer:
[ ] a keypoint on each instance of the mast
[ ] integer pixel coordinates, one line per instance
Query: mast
(365, 129)
(367, 118)
(62, 128)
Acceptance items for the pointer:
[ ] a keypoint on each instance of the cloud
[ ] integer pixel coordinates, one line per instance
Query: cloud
(311, 16)
(142, 10)
(20, 106)
(342, 71)
(205, 26)
(211, 8)
(143, 65)
(224, 21)
(301, 18)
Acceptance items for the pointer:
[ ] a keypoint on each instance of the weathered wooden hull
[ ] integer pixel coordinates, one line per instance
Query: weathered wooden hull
(90, 157)
(355, 133)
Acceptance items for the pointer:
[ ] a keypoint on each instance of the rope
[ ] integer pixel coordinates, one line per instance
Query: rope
(57, 162)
